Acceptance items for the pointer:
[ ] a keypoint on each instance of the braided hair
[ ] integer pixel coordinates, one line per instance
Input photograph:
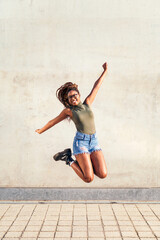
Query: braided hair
(62, 92)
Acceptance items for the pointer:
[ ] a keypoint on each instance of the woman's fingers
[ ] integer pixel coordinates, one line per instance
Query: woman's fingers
(105, 66)
(37, 130)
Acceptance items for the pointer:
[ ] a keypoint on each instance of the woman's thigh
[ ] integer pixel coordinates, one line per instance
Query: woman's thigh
(99, 164)
(85, 164)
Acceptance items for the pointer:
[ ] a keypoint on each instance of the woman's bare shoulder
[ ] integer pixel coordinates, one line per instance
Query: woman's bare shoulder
(68, 112)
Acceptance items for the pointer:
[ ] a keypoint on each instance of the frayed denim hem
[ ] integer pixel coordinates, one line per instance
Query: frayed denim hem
(96, 150)
(75, 154)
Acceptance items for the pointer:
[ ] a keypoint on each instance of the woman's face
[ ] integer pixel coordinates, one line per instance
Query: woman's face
(73, 97)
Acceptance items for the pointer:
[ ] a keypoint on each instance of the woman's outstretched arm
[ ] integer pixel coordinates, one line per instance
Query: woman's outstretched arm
(64, 114)
(90, 98)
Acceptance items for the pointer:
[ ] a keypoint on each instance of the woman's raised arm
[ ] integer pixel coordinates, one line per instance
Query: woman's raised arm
(90, 98)
(64, 114)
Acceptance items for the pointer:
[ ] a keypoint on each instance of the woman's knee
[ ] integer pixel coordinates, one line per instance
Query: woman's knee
(103, 174)
(89, 178)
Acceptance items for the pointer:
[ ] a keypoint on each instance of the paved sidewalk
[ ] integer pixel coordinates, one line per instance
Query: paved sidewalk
(83, 221)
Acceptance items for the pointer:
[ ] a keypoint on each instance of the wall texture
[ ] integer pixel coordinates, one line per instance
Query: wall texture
(43, 44)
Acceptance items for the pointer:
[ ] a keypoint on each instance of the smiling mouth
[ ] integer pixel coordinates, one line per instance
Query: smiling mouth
(74, 101)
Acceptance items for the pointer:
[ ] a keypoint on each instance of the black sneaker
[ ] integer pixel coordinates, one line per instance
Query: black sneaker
(64, 156)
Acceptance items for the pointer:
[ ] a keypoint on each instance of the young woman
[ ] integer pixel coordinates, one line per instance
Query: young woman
(88, 154)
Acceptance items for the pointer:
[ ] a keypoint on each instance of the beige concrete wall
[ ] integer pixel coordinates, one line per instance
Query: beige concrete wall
(43, 44)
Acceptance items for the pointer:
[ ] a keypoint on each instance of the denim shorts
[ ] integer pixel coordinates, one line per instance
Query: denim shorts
(85, 143)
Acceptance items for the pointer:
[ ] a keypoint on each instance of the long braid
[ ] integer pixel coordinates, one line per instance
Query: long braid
(62, 92)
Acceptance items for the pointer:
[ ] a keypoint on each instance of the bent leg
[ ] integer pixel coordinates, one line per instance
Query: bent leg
(99, 164)
(83, 167)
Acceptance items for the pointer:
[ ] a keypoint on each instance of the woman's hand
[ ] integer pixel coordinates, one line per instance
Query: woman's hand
(90, 98)
(104, 66)
(38, 131)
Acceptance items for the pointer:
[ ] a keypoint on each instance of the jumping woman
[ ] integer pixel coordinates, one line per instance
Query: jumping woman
(88, 154)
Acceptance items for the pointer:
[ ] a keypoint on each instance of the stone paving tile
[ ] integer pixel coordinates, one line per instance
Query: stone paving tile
(114, 234)
(136, 218)
(154, 223)
(109, 218)
(148, 238)
(52, 213)
(79, 213)
(13, 234)
(29, 238)
(36, 223)
(19, 223)
(78, 238)
(3, 228)
(143, 228)
(136, 238)
(94, 223)
(95, 234)
(80, 221)
(140, 223)
(93, 217)
(146, 234)
(64, 229)
(50, 223)
(132, 234)
(41, 239)
(157, 233)
(9, 218)
(66, 213)
(96, 238)
(80, 218)
(109, 223)
(46, 234)
(95, 228)
(127, 229)
(63, 234)
(17, 228)
(31, 228)
(79, 234)
(58, 238)
(48, 228)
(62, 218)
(117, 238)
(79, 228)
(2, 234)
(11, 238)
(30, 234)
(111, 228)
(5, 223)
(125, 223)
(65, 223)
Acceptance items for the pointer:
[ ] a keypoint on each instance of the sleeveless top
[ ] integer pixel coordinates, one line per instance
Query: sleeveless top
(83, 118)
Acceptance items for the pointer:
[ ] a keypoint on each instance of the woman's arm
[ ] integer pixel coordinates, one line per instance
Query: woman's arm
(64, 114)
(90, 98)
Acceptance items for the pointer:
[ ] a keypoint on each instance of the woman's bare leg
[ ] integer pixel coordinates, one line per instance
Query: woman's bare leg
(99, 164)
(83, 167)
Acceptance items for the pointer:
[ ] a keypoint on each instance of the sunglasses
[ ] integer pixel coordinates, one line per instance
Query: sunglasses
(73, 96)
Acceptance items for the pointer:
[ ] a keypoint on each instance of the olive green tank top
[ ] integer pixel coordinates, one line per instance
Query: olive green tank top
(83, 118)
